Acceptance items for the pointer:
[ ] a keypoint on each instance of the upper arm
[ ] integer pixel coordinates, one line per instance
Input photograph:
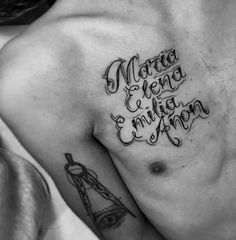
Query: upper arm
(20, 182)
(55, 126)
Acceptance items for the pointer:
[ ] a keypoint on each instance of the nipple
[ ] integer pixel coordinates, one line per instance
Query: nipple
(158, 168)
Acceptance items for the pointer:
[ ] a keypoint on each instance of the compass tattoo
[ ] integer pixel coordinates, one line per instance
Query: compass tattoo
(85, 180)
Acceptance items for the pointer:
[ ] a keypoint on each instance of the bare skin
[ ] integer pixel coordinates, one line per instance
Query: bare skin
(24, 198)
(68, 93)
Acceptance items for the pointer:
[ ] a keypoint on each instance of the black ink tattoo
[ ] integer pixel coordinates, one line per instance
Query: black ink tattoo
(152, 109)
(106, 219)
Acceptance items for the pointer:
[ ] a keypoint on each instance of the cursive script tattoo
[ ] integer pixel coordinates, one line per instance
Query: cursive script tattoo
(104, 219)
(150, 100)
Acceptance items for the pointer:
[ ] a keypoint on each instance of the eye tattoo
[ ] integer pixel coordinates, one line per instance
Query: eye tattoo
(104, 219)
(150, 103)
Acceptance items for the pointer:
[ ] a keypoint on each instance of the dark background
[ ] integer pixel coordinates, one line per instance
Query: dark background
(20, 12)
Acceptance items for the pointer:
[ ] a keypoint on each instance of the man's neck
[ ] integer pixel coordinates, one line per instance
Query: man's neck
(184, 14)
(144, 10)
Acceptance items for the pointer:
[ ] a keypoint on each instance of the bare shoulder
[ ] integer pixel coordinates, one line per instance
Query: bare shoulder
(40, 73)
(37, 52)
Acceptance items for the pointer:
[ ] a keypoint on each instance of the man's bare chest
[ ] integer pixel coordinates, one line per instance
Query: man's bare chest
(166, 116)
(152, 99)
(169, 126)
